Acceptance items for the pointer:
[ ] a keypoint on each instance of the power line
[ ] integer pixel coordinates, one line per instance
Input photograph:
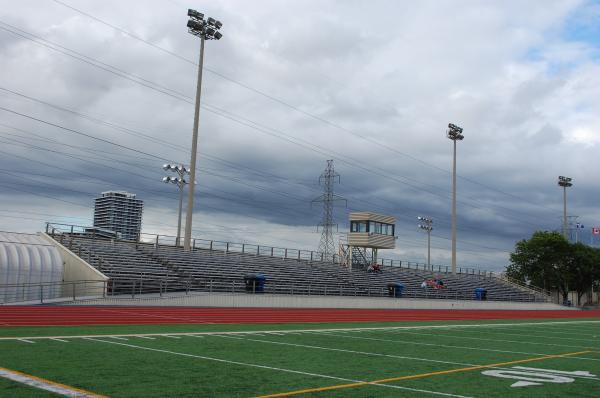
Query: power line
(289, 105)
(258, 127)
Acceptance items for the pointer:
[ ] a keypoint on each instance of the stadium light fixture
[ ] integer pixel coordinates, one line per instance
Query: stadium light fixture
(565, 182)
(181, 182)
(205, 30)
(454, 133)
(427, 227)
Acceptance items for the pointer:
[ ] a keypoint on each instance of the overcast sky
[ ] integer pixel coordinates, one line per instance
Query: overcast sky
(370, 84)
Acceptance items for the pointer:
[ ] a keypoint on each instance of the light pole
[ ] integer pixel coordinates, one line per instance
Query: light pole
(578, 226)
(180, 181)
(427, 226)
(455, 134)
(565, 182)
(205, 30)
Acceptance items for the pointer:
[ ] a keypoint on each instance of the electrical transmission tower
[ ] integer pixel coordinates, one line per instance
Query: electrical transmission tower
(328, 178)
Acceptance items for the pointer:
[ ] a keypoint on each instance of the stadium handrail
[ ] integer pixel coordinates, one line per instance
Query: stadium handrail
(522, 285)
(143, 289)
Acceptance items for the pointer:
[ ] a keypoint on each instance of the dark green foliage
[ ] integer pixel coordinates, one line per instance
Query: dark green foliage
(547, 260)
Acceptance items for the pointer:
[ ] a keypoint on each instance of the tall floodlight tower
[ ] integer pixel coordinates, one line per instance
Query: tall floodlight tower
(427, 227)
(565, 182)
(328, 179)
(455, 134)
(205, 30)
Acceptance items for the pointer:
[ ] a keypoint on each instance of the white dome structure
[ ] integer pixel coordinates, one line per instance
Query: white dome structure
(28, 261)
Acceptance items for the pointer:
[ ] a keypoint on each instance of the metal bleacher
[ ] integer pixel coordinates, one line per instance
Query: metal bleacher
(150, 268)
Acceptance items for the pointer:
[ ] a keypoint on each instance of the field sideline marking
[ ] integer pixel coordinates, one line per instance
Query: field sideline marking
(420, 375)
(347, 351)
(499, 340)
(501, 332)
(43, 384)
(432, 344)
(391, 328)
(253, 365)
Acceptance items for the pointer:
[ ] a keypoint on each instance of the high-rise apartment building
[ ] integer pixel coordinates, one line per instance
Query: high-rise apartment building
(120, 212)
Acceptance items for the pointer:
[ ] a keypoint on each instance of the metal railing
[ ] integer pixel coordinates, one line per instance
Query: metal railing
(150, 289)
(522, 285)
(48, 292)
(54, 229)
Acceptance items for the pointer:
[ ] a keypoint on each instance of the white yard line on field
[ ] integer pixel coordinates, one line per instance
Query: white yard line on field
(528, 334)
(498, 340)
(410, 342)
(253, 365)
(346, 351)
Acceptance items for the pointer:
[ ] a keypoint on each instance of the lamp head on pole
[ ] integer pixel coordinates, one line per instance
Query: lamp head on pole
(454, 132)
(206, 29)
(565, 181)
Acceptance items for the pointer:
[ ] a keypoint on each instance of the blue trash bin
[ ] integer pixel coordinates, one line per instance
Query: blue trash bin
(395, 289)
(260, 283)
(480, 294)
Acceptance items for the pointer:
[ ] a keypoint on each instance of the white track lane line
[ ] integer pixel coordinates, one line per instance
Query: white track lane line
(253, 365)
(61, 340)
(146, 337)
(118, 338)
(347, 351)
(256, 333)
(26, 341)
(170, 337)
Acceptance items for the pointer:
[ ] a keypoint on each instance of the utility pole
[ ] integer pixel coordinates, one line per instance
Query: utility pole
(427, 226)
(180, 181)
(455, 134)
(328, 177)
(565, 182)
(205, 30)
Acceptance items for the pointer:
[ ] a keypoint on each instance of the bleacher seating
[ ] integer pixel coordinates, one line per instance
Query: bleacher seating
(145, 267)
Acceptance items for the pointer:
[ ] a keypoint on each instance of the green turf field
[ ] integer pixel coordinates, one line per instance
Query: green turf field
(542, 358)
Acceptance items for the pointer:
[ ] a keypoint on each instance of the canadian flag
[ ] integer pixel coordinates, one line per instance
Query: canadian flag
(596, 231)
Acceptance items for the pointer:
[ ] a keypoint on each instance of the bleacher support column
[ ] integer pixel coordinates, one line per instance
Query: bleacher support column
(243, 248)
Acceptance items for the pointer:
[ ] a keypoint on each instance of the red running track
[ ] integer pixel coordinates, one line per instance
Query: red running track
(104, 315)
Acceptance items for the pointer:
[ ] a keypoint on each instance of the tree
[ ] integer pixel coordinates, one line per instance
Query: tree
(542, 261)
(581, 269)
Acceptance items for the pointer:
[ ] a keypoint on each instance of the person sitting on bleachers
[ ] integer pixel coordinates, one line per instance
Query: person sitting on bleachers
(370, 268)
(376, 268)
(440, 284)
